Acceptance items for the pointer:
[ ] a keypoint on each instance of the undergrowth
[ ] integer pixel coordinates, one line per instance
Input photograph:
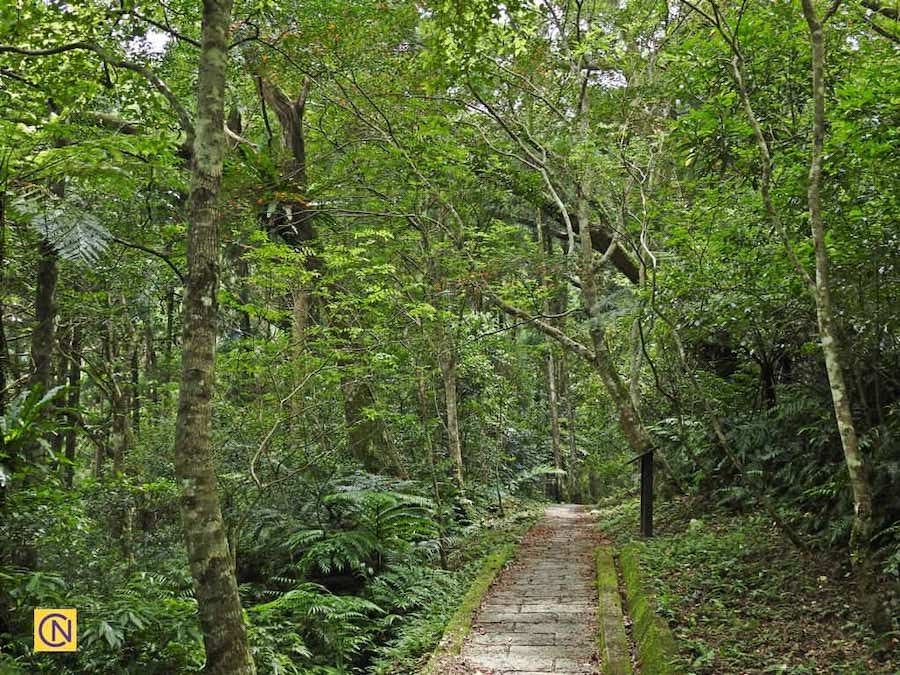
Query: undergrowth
(368, 589)
(740, 598)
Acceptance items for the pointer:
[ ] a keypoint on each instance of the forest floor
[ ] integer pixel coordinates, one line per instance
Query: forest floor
(540, 614)
(741, 599)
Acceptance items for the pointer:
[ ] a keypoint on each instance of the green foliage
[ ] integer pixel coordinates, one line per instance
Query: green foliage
(416, 601)
(339, 626)
(73, 232)
(144, 628)
(24, 424)
(376, 528)
(739, 596)
(448, 148)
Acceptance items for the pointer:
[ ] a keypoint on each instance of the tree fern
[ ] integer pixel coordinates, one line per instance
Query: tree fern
(340, 626)
(378, 527)
(341, 551)
(72, 231)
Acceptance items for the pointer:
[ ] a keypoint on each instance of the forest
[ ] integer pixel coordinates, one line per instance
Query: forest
(315, 315)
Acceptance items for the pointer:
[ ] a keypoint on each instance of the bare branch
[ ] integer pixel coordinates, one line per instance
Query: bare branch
(154, 252)
(237, 138)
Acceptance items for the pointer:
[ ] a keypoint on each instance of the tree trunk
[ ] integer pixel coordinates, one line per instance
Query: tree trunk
(637, 361)
(555, 437)
(629, 420)
(299, 323)
(242, 270)
(830, 346)
(566, 392)
(4, 356)
(170, 331)
(363, 433)
(121, 426)
(447, 363)
(224, 634)
(860, 479)
(151, 365)
(556, 305)
(857, 467)
(101, 450)
(135, 386)
(60, 376)
(119, 363)
(426, 419)
(4, 347)
(292, 219)
(44, 334)
(72, 402)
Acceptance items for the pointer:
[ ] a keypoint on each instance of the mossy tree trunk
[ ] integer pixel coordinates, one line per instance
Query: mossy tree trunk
(4, 347)
(568, 395)
(857, 467)
(224, 634)
(43, 336)
(73, 400)
(363, 432)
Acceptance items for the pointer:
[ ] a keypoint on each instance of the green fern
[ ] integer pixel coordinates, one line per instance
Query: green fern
(74, 233)
(381, 528)
(22, 424)
(339, 626)
(341, 551)
(531, 474)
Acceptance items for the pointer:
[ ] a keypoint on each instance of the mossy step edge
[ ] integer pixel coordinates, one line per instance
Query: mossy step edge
(461, 622)
(656, 646)
(615, 655)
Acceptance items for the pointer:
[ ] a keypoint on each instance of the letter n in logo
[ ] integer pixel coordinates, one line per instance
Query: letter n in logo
(55, 630)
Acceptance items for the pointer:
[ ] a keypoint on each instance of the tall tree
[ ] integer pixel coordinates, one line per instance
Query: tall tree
(860, 480)
(224, 634)
(819, 285)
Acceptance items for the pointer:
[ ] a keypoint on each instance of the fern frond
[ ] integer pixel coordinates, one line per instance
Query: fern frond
(73, 232)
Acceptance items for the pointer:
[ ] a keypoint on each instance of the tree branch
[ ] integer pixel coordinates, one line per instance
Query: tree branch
(552, 331)
(881, 31)
(879, 8)
(166, 28)
(237, 138)
(184, 118)
(831, 10)
(154, 252)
